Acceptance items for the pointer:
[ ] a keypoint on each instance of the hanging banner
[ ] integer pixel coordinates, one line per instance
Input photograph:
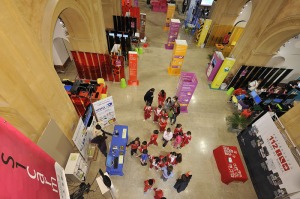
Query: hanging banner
(270, 160)
(26, 170)
(204, 32)
(105, 111)
(170, 15)
(222, 73)
(185, 89)
(132, 63)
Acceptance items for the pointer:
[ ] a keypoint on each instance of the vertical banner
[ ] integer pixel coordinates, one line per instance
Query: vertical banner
(143, 26)
(222, 73)
(214, 65)
(179, 52)
(204, 31)
(26, 170)
(132, 63)
(173, 33)
(105, 111)
(185, 89)
(170, 15)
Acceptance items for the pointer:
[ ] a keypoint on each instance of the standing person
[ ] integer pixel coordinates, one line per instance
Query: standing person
(161, 97)
(168, 104)
(148, 97)
(168, 135)
(100, 140)
(167, 173)
(178, 159)
(226, 38)
(157, 113)
(187, 137)
(171, 158)
(144, 157)
(176, 112)
(153, 138)
(154, 162)
(159, 194)
(177, 130)
(148, 184)
(178, 140)
(164, 113)
(183, 182)
(143, 146)
(162, 122)
(147, 111)
(134, 146)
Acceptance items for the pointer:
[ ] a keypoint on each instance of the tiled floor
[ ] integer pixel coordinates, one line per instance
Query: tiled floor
(205, 119)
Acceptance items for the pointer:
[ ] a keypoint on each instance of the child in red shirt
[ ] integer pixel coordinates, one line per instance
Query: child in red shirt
(162, 97)
(162, 122)
(187, 137)
(143, 146)
(148, 184)
(134, 145)
(177, 130)
(147, 111)
(154, 162)
(157, 113)
(153, 138)
(159, 194)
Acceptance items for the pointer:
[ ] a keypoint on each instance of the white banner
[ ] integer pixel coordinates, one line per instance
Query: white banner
(105, 111)
(280, 160)
(82, 138)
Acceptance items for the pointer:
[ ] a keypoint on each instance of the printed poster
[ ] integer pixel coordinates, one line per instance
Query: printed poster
(105, 111)
(26, 170)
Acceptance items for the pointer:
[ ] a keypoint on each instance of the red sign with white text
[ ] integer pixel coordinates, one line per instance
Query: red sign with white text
(132, 62)
(26, 170)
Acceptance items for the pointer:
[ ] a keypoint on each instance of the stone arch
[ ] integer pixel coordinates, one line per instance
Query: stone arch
(277, 34)
(74, 17)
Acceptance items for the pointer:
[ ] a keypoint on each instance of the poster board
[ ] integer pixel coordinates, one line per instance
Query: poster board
(82, 138)
(269, 160)
(214, 65)
(26, 170)
(105, 111)
(133, 64)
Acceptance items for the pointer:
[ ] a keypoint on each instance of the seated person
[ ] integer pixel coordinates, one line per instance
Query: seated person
(254, 84)
(291, 85)
(248, 101)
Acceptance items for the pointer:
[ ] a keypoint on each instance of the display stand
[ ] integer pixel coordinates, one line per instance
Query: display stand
(214, 65)
(178, 54)
(132, 63)
(159, 5)
(185, 89)
(170, 15)
(204, 31)
(76, 168)
(103, 188)
(143, 26)
(115, 158)
(173, 33)
(222, 73)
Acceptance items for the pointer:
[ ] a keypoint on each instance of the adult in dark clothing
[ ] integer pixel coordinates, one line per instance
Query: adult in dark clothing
(148, 97)
(291, 85)
(176, 112)
(183, 182)
(100, 140)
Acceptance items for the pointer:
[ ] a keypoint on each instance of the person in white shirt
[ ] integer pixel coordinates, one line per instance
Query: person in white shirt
(253, 85)
(168, 135)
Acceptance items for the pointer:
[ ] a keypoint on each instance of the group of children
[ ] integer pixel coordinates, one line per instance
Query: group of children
(177, 137)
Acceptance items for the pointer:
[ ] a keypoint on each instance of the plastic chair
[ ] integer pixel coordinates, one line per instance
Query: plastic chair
(123, 83)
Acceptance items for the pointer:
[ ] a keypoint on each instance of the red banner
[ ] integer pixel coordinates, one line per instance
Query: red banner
(26, 170)
(132, 63)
